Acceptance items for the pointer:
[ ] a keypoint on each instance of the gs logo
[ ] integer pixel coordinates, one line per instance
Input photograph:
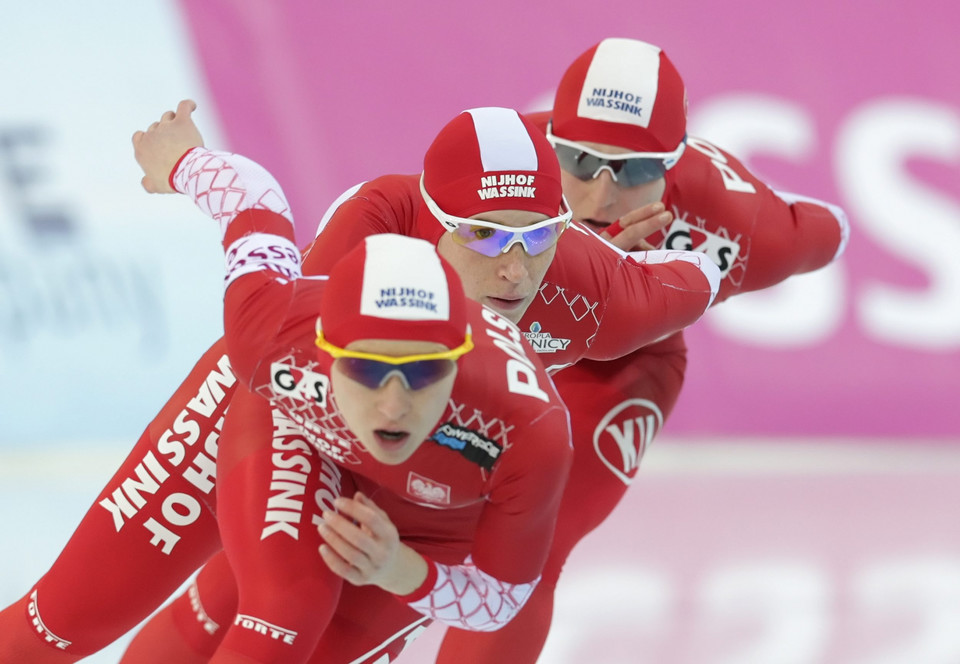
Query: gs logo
(300, 384)
(685, 237)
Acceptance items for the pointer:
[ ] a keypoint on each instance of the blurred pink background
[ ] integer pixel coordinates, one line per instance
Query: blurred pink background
(843, 102)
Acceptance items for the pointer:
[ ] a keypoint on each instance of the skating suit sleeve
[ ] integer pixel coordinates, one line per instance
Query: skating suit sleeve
(757, 236)
(258, 241)
(602, 303)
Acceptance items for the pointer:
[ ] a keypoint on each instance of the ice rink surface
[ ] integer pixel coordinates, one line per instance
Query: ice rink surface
(766, 552)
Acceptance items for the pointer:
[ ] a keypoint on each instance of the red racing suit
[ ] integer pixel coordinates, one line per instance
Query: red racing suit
(481, 493)
(156, 516)
(758, 237)
(478, 498)
(594, 301)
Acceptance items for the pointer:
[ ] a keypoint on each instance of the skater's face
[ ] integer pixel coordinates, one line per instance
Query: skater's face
(391, 408)
(506, 282)
(601, 197)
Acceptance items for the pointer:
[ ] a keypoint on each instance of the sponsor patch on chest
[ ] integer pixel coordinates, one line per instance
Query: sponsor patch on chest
(544, 342)
(475, 447)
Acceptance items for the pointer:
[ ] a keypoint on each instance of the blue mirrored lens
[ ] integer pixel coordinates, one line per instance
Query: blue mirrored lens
(492, 241)
(372, 374)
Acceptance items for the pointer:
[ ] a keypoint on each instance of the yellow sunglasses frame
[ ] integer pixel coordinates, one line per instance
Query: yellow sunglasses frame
(336, 352)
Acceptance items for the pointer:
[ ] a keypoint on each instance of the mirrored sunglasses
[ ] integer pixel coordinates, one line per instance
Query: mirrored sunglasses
(415, 375)
(492, 239)
(372, 370)
(627, 170)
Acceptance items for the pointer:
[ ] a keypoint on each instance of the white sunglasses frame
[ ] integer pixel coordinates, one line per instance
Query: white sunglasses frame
(670, 159)
(451, 222)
